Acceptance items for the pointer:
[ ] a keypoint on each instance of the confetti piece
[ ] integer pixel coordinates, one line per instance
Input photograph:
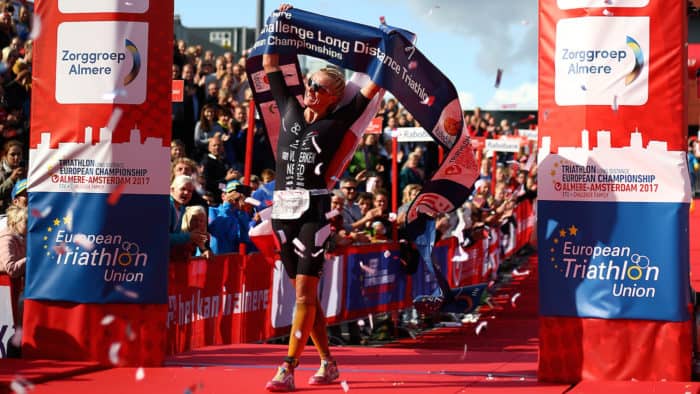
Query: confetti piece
(332, 213)
(16, 339)
(367, 269)
(489, 377)
(297, 242)
(614, 104)
(83, 241)
(387, 254)
(412, 65)
(583, 87)
(114, 119)
(107, 320)
(20, 385)
(360, 323)
(315, 144)
(114, 352)
(607, 13)
(282, 237)
(297, 334)
(116, 194)
(41, 214)
(334, 178)
(317, 169)
(60, 248)
(499, 75)
(128, 293)
(518, 273)
(392, 216)
(464, 355)
(36, 27)
(252, 201)
(480, 327)
(130, 334)
(344, 384)
(139, 374)
(514, 298)
(382, 20)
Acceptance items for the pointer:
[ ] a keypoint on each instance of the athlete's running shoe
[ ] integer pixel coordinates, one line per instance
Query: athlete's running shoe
(326, 374)
(283, 381)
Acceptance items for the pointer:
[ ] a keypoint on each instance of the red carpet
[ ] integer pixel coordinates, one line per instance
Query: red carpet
(497, 353)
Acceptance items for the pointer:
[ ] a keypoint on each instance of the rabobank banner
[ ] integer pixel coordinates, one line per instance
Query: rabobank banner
(390, 58)
(99, 154)
(613, 232)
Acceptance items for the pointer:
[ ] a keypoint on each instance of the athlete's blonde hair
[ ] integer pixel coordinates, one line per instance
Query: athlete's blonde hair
(337, 78)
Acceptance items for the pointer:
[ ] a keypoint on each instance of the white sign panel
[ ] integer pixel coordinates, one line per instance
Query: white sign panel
(602, 61)
(83, 6)
(570, 4)
(91, 69)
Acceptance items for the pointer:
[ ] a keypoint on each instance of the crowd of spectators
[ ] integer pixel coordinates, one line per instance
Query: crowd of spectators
(209, 132)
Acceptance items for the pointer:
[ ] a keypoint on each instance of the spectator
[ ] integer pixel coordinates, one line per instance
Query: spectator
(13, 169)
(264, 192)
(177, 150)
(411, 172)
(195, 220)
(228, 224)
(351, 211)
(180, 194)
(215, 169)
(205, 128)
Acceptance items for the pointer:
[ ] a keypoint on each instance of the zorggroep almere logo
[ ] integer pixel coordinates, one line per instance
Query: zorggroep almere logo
(90, 69)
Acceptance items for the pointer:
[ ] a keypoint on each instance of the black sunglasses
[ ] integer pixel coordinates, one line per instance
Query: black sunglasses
(315, 86)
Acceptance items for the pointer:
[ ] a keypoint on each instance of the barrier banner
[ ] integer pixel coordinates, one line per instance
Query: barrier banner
(423, 281)
(95, 169)
(7, 320)
(390, 58)
(375, 282)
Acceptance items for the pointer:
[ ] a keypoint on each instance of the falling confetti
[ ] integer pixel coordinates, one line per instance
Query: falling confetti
(360, 323)
(514, 298)
(107, 320)
(130, 334)
(382, 20)
(480, 327)
(412, 65)
(499, 75)
(41, 214)
(20, 385)
(607, 13)
(140, 374)
(116, 194)
(114, 119)
(387, 254)
(83, 241)
(344, 384)
(36, 27)
(252, 201)
(464, 355)
(128, 293)
(332, 213)
(392, 216)
(114, 352)
(614, 104)
(583, 87)
(367, 269)
(297, 242)
(489, 377)
(297, 334)
(16, 339)
(518, 273)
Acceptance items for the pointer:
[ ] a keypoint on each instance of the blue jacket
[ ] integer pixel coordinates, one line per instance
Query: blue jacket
(177, 237)
(228, 227)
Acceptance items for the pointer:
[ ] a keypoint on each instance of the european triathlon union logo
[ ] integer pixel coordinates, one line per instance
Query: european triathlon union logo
(617, 267)
(638, 60)
(136, 65)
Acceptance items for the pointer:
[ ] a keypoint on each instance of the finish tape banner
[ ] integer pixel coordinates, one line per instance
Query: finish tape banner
(99, 156)
(390, 58)
(613, 233)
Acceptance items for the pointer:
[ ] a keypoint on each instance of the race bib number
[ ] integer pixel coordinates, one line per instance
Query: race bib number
(289, 204)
